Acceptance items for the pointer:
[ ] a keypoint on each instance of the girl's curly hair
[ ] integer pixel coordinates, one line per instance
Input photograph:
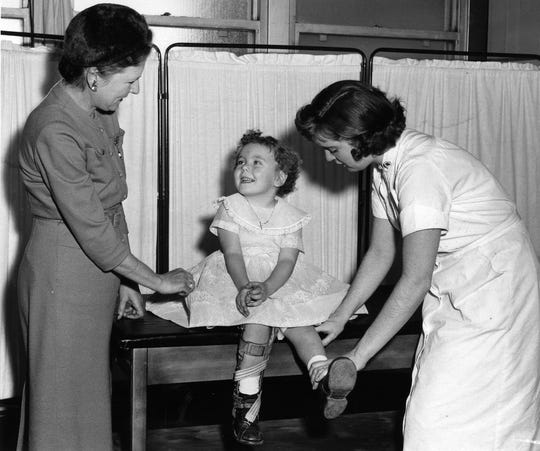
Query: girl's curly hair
(355, 112)
(287, 159)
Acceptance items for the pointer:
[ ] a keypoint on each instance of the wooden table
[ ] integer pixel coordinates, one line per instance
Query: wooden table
(156, 351)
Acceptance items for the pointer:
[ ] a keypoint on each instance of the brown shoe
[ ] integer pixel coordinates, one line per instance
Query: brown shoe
(336, 385)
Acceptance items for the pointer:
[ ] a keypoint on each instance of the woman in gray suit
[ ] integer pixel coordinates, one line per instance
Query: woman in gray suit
(78, 268)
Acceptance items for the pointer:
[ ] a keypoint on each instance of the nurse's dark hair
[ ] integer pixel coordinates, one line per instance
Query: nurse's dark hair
(287, 159)
(107, 36)
(355, 112)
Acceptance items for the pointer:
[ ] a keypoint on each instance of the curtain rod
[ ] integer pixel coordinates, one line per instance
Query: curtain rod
(412, 51)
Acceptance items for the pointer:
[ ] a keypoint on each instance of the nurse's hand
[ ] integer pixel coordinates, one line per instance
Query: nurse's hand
(130, 303)
(176, 281)
(331, 328)
(317, 371)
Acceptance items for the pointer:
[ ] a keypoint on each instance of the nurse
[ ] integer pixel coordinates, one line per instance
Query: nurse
(466, 256)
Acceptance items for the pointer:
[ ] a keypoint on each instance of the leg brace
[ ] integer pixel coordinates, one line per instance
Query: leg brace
(257, 350)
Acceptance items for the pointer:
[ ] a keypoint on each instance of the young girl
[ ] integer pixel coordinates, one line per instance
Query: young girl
(260, 280)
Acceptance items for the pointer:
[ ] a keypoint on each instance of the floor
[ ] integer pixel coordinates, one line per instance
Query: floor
(196, 417)
(359, 432)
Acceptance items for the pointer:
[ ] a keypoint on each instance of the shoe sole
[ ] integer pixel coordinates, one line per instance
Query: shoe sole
(341, 380)
(247, 442)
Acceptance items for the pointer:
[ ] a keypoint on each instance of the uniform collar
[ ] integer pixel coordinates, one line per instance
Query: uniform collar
(392, 156)
(388, 159)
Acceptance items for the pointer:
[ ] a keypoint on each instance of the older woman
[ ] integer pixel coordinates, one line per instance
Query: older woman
(77, 264)
(466, 256)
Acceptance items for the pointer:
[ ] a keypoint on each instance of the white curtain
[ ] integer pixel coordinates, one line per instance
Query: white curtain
(27, 75)
(52, 17)
(138, 116)
(491, 109)
(214, 97)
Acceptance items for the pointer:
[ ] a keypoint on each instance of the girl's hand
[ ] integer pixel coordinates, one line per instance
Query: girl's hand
(130, 303)
(331, 328)
(242, 299)
(176, 281)
(317, 371)
(258, 293)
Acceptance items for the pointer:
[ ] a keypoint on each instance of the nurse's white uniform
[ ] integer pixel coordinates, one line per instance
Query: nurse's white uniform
(476, 381)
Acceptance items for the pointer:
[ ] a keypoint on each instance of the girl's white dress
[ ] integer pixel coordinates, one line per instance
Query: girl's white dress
(308, 297)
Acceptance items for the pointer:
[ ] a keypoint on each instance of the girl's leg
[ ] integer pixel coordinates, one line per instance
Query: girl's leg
(307, 343)
(252, 357)
(341, 374)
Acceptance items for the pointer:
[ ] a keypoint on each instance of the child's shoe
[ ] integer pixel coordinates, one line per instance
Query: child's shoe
(336, 385)
(244, 430)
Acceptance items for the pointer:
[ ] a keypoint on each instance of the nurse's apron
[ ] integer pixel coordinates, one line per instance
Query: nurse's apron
(475, 382)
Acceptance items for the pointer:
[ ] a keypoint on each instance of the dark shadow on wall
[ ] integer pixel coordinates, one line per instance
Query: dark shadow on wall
(208, 242)
(314, 165)
(21, 222)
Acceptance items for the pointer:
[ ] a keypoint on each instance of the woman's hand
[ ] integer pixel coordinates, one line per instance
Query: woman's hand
(130, 303)
(331, 328)
(258, 293)
(176, 281)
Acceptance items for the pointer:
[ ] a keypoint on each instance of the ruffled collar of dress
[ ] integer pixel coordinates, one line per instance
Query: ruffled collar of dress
(286, 218)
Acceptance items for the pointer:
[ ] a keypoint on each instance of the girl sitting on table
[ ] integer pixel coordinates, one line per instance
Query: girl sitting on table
(260, 280)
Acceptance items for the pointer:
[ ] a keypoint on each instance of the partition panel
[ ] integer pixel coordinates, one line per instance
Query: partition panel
(213, 98)
(490, 108)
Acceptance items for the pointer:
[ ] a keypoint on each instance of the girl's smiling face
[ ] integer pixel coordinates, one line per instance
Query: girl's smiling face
(257, 174)
(340, 153)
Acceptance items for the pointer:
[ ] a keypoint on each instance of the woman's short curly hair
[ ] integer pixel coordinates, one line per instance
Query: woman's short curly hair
(353, 111)
(287, 159)
(107, 36)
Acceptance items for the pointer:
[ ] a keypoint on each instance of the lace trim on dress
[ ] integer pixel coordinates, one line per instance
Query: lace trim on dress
(286, 218)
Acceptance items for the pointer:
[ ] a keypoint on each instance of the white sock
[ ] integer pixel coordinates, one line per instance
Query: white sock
(316, 358)
(249, 385)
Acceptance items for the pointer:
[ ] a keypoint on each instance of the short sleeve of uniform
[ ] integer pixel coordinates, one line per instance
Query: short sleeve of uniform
(424, 196)
(377, 204)
(222, 220)
(291, 240)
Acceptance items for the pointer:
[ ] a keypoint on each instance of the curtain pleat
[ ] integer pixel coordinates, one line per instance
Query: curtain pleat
(214, 97)
(491, 109)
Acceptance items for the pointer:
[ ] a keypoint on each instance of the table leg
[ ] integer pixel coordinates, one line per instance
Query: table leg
(138, 384)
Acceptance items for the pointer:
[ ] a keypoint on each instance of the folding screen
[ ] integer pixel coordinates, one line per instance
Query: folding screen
(492, 109)
(214, 97)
